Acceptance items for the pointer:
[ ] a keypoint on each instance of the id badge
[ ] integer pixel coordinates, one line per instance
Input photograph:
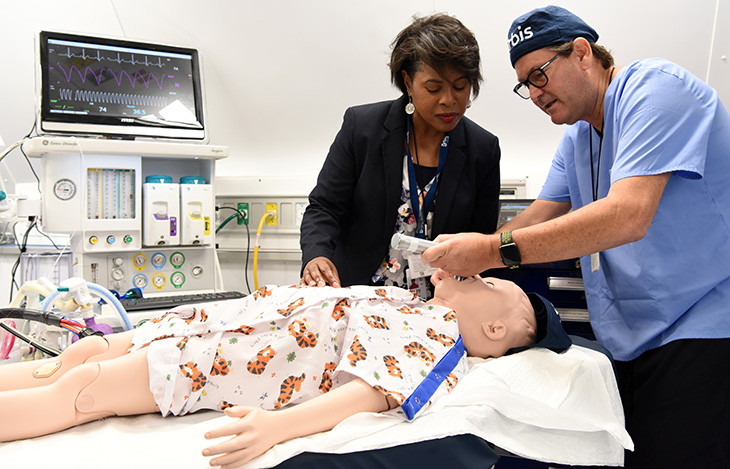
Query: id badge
(418, 268)
(595, 262)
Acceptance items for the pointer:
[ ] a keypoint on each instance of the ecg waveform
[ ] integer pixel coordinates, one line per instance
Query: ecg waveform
(101, 97)
(118, 59)
(99, 76)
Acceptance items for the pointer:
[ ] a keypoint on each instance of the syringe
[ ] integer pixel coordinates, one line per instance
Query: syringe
(414, 245)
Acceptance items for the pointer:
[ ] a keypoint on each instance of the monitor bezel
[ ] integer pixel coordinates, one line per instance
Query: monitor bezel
(114, 126)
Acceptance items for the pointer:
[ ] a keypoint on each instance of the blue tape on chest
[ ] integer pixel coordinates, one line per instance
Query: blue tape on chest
(433, 380)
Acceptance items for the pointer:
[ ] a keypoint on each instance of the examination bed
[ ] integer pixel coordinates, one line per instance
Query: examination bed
(559, 408)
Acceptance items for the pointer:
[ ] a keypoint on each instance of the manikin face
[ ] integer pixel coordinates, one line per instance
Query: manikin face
(494, 315)
(440, 101)
(561, 98)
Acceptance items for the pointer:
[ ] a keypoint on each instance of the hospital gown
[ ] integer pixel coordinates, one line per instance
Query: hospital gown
(285, 345)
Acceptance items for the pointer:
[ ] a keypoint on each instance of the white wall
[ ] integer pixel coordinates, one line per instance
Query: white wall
(280, 73)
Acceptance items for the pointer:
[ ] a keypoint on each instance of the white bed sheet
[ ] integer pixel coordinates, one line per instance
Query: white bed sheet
(559, 408)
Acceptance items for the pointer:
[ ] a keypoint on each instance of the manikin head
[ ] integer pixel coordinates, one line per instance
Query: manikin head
(494, 315)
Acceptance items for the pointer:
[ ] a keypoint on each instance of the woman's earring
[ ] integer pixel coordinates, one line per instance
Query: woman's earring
(410, 108)
(468, 105)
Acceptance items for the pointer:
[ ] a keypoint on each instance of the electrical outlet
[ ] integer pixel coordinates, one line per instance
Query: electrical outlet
(243, 208)
(273, 218)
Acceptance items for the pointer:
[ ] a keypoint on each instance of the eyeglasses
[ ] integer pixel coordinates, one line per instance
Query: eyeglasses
(537, 78)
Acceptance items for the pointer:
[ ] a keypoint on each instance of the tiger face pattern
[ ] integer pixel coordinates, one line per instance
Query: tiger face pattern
(417, 350)
(339, 311)
(304, 337)
(398, 397)
(442, 339)
(197, 378)
(161, 318)
(243, 329)
(326, 384)
(450, 316)
(220, 365)
(262, 292)
(405, 309)
(376, 322)
(288, 387)
(451, 381)
(225, 405)
(299, 302)
(258, 364)
(183, 342)
(357, 352)
(391, 364)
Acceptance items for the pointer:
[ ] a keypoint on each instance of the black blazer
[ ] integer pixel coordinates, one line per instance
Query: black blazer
(353, 208)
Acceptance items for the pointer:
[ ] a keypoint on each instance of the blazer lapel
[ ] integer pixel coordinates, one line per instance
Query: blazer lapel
(450, 180)
(392, 153)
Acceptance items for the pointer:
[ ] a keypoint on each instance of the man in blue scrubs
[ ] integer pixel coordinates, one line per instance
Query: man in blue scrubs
(644, 166)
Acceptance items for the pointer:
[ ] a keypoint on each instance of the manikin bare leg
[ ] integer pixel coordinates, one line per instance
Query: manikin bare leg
(87, 392)
(36, 373)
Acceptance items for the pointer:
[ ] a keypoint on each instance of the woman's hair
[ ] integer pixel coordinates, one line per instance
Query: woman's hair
(439, 41)
(599, 52)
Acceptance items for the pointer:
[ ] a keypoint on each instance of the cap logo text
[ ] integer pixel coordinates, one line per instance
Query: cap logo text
(519, 36)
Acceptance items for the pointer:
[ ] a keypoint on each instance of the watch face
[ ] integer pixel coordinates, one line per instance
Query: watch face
(510, 254)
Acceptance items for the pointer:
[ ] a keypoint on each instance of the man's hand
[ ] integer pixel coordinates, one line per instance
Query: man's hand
(465, 254)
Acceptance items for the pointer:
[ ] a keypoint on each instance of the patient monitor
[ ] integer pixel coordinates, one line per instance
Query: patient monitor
(125, 168)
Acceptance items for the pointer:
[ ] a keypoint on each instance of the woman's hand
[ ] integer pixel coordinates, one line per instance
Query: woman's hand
(254, 432)
(319, 272)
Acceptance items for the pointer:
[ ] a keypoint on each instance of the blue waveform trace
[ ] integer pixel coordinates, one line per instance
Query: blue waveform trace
(68, 74)
(118, 58)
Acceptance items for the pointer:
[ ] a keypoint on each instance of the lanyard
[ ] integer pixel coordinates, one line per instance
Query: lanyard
(594, 180)
(420, 211)
(426, 389)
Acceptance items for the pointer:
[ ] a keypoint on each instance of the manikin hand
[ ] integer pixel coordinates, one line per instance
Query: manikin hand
(258, 430)
(255, 431)
(465, 254)
(319, 272)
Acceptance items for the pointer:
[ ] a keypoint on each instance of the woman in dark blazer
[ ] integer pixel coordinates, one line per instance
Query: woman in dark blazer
(385, 152)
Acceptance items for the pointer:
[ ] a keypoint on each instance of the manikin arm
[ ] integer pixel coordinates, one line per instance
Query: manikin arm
(257, 430)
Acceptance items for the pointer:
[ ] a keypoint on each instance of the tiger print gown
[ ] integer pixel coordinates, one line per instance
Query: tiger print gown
(284, 345)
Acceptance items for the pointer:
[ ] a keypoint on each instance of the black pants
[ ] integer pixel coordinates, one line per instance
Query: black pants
(676, 400)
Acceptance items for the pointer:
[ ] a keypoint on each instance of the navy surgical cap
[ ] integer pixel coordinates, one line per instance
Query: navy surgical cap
(550, 332)
(544, 27)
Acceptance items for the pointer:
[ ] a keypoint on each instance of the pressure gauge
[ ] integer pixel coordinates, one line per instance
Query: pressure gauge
(159, 280)
(64, 189)
(140, 281)
(177, 279)
(177, 259)
(159, 260)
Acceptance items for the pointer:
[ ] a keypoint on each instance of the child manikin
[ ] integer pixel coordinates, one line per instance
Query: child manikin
(336, 339)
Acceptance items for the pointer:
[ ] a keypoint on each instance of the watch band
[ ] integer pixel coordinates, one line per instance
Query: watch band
(508, 251)
(506, 237)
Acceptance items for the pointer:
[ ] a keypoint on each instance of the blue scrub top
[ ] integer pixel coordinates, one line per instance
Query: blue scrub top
(675, 282)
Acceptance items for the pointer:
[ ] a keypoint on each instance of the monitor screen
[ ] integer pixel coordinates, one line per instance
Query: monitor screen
(509, 208)
(113, 87)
